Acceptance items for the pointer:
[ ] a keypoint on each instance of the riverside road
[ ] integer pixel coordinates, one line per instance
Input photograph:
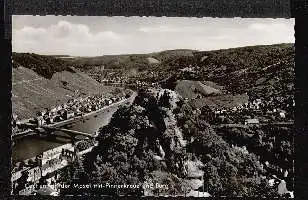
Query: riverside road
(31, 145)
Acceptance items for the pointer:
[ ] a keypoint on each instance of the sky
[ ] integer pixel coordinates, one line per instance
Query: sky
(96, 36)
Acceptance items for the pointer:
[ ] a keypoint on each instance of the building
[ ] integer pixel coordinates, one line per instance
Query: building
(55, 152)
(251, 122)
(34, 174)
(70, 114)
(282, 114)
(40, 120)
(15, 176)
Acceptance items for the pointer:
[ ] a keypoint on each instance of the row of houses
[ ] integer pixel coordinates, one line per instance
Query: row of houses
(72, 108)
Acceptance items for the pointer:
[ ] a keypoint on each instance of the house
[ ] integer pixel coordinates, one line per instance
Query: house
(34, 174)
(55, 118)
(271, 182)
(282, 115)
(70, 114)
(251, 122)
(54, 110)
(15, 176)
(217, 112)
(40, 120)
(194, 193)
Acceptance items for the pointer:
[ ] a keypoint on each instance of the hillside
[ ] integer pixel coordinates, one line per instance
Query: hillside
(220, 101)
(158, 141)
(262, 69)
(192, 89)
(128, 60)
(241, 69)
(45, 66)
(112, 66)
(42, 81)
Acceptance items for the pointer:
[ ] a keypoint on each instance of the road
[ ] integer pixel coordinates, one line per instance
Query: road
(287, 123)
(78, 122)
(28, 147)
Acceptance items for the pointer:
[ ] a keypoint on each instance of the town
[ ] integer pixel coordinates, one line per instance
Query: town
(28, 176)
(39, 175)
(72, 108)
(277, 109)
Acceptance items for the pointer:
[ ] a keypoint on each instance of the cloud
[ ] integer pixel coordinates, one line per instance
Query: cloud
(275, 32)
(61, 38)
(170, 29)
(117, 35)
(64, 29)
(268, 27)
(30, 33)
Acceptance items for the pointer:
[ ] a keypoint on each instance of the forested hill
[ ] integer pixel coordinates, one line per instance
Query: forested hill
(233, 58)
(242, 69)
(43, 65)
(128, 61)
(259, 70)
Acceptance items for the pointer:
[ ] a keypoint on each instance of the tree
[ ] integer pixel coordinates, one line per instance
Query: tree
(22, 181)
(164, 100)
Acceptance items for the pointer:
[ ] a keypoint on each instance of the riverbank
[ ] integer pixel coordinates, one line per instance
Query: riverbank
(71, 120)
(30, 146)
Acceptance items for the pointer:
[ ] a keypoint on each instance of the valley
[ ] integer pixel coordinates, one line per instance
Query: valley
(173, 134)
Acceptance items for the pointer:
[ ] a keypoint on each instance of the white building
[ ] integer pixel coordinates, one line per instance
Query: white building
(251, 122)
(282, 114)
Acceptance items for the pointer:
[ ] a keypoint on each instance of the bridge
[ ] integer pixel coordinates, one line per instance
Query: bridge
(50, 128)
(34, 129)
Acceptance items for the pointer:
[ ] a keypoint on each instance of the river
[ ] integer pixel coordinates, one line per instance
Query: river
(30, 146)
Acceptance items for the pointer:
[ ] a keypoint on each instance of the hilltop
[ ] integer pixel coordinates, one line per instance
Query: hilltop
(237, 69)
(258, 71)
(44, 66)
(126, 64)
(127, 60)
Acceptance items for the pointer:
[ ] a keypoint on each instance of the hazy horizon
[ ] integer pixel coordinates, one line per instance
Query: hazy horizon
(86, 36)
(123, 54)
